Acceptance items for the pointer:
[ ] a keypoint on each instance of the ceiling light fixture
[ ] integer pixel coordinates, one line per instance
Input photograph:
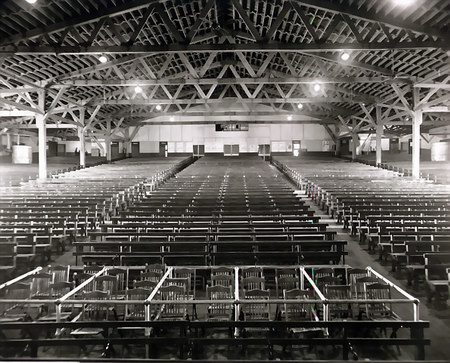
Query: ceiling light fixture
(300, 106)
(31, 1)
(289, 118)
(158, 107)
(138, 89)
(103, 58)
(345, 56)
(317, 87)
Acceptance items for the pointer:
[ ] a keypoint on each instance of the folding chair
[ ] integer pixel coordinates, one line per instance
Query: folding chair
(339, 310)
(382, 309)
(106, 283)
(122, 278)
(220, 311)
(300, 310)
(60, 273)
(40, 285)
(58, 290)
(94, 312)
(256, 311)
(81, 278)
(13, 312)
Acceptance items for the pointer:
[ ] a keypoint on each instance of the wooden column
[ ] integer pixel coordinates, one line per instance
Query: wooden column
(417, 121)
(81, 136)
(8, 141)
(355, 139)
(42, 146)
(42, 137)
(379, 135)
(337, 152)
(127, 142)
(108, 141)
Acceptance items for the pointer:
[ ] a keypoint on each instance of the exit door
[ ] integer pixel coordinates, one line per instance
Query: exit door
(296, 147)
(163, 149)
(114, 150)
(135, 149)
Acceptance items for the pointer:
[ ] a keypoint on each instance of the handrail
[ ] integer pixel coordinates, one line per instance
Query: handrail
(82, 285)
(21, 277)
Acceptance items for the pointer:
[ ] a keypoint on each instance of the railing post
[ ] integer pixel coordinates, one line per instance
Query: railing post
(345, 345)
(417, 334)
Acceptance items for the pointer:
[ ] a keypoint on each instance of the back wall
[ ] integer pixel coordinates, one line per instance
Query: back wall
(181, 138)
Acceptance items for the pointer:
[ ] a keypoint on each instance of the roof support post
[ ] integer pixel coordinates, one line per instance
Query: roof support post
(127, 142)
(8, 141)
(82, 138)
(355, 145)
(337, 151)
(108, 141)
(355, 138)
(42, 138)
(379, 134)
(417, 121)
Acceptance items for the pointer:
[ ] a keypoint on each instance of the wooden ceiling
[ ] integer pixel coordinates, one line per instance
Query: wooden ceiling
(193, 58)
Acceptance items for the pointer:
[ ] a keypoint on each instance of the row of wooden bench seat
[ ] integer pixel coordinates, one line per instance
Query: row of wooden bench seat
(214, 216)
(41, 217)
(408, 221)
(213, 253)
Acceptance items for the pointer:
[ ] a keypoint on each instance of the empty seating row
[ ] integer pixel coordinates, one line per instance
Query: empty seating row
(408, 221)
(41, 217)
(214, 212)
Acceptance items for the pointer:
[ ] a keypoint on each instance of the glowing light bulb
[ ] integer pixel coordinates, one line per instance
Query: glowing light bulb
(103, 59)
(345, 56)
(317, 87)
(300, 106)
(289, 118)
(138, 89)
(158, 107)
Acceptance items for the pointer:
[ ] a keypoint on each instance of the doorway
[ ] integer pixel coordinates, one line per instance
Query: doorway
(163, 149)
(135, 149)
(114, 150)
(199, 150)
(231, 150)
(296, 145)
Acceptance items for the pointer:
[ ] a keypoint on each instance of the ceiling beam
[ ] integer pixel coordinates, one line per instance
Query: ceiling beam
(202, 101)
(224, 47)
(215, 81)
